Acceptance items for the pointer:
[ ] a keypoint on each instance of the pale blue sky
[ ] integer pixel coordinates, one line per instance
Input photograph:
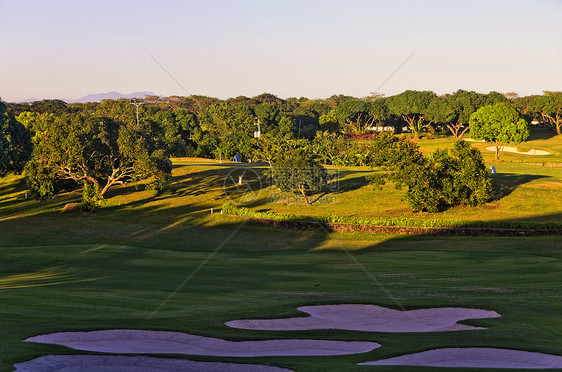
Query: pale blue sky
(312, 48)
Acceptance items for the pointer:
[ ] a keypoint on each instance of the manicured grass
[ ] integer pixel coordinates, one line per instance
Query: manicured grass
(541, 138)
(115, 268)
(265, 274)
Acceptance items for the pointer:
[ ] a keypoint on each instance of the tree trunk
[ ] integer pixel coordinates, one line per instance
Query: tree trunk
(556, 122)
(463, 132)
(303, 192)
(499, 149)
(411, 124)
(110, 181)
(454, 129)
(103, 191)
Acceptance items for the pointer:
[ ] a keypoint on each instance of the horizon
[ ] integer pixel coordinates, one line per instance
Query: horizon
(74, 100)
(314, 49)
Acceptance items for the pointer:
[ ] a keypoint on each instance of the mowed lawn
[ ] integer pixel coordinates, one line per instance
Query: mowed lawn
(116, 268)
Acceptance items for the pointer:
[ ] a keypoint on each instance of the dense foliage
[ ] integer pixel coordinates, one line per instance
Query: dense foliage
(95, 152)
(500, 124)
(433, 182)
(296, 169)
(15, 143)
(98, 145)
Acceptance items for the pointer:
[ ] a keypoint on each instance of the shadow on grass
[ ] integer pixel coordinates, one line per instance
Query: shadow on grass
(541, 133)
(11, 187)
(504, 184)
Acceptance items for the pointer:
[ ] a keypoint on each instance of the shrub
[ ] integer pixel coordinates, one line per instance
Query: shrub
(297, 170)
(437, 181)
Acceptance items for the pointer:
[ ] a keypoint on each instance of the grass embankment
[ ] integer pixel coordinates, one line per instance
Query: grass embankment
(115, 268)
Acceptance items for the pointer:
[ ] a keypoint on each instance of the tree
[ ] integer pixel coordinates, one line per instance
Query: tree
(500, 124)
(441, 111)
(550, 109)
(273, 121)
(433, 182)
(227, 129)
(329, 121)
(454, 110)
(15, 143)
(353, 115)
(464, 178)
(378, 110)
(411, 106)
(298, 170)
(511, 95)
(177, 129)
(97, 153)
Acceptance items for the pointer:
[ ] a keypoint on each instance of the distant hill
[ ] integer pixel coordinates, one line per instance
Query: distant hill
(29, 100)
(109, 95)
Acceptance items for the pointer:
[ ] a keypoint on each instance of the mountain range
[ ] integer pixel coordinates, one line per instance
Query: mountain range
(98, 97)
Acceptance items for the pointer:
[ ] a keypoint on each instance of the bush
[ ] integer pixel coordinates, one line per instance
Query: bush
(297, 170)
(437, 181)
(90, 197)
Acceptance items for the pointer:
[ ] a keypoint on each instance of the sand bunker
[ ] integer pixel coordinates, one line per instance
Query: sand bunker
(514, 150)
(117, 363)
(370, 318)
(474, 357)
(132, 341)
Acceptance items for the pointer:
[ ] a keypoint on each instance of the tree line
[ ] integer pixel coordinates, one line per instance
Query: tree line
(103, 144)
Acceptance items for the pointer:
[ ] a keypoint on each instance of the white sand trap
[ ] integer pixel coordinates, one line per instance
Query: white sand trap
(370, 318)
(117, 363)
(514, 150)
(474, 357)
(130, 341)
(473, 140)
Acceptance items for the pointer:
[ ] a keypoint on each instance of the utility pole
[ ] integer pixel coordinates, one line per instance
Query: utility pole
(137, 103)
(258, 133)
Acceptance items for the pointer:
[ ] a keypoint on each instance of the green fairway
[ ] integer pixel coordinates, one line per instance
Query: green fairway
(162, 261)
(255, 275)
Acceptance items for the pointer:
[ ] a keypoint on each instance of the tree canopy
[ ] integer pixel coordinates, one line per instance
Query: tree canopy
(550, 108)
(411, 106)
(500, 124)
(15, 143)
(93, 151)
(296, 169)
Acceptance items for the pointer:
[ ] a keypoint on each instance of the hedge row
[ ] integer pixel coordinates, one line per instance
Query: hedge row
(364, 223)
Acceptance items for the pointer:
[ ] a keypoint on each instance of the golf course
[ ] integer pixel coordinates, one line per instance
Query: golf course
(170, 261)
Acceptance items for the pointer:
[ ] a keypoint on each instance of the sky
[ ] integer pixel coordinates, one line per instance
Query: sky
(290, 48)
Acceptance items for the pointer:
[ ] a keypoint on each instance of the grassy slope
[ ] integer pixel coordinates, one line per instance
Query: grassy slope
(526, 192)
(113, 269)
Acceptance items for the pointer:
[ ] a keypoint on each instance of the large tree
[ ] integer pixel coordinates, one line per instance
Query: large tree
(550, 109)
(454, 110)
(411, 106)
(500, 124)
(15, 143)
(97, 153)
(296, 169)
(353, 115)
